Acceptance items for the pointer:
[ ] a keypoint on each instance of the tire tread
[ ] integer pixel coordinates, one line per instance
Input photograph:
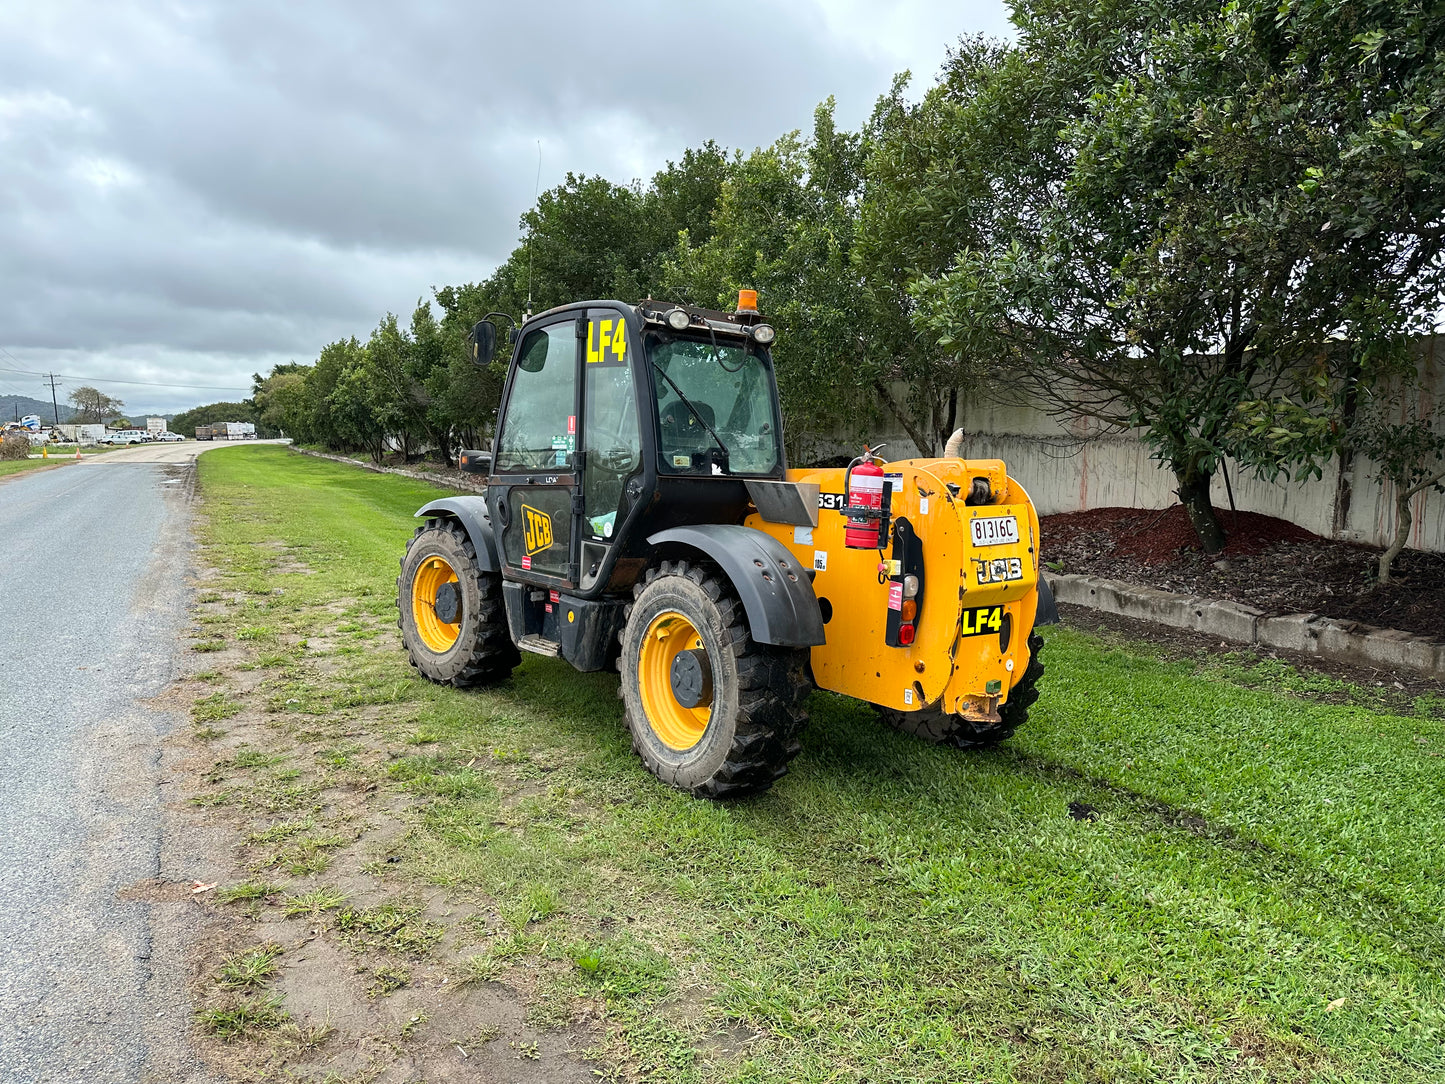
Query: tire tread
(938, 727)
(772, 686)
(492, 656)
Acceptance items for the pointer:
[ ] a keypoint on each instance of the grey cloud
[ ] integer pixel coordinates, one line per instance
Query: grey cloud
(228, 181)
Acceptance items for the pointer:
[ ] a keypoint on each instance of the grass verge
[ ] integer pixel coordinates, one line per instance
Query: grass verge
(18, 466)
(1168, 874)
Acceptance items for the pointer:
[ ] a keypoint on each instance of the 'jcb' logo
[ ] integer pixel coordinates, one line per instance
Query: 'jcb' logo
(982, 620)
(538, 527)
(606, 342)
(999, 570)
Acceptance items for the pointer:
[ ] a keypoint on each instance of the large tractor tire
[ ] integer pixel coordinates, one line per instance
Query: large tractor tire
(936, 726)
(710, 711)
(451, 613)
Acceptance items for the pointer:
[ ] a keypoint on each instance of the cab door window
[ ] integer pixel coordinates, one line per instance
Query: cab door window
(539, 431)
(539, 439)
(611, 435)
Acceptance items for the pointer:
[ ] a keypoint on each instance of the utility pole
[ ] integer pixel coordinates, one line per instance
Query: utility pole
(52, 382)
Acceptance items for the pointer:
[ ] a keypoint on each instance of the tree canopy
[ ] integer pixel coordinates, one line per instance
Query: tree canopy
(1180, 208)
(93, 406)
(1215, 223)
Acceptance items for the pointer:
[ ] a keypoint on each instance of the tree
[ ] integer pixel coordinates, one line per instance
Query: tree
(343, 377)
(281, 403)
(585, 238)
(1184, 205)
(93, 406)
(320, 405)
(1409, 456)
(185, 423)
(909, 227)
(784, 225)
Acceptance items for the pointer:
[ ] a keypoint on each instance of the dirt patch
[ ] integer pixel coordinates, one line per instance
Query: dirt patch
(1268, 563)
(297, 790)
(158, 890)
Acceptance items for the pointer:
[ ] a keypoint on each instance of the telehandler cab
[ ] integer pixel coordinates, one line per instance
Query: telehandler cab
(639, 513)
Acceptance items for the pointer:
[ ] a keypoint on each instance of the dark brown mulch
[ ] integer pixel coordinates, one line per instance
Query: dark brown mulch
(1267, 563)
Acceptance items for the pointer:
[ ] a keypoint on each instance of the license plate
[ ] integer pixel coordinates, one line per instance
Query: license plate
(995, 530)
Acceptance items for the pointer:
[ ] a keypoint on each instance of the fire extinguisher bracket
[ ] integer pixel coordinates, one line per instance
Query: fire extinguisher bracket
(869, 506)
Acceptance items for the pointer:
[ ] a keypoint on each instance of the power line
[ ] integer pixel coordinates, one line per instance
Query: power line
(138, 383)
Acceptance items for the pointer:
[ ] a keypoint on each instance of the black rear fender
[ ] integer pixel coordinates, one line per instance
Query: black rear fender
(774, 589)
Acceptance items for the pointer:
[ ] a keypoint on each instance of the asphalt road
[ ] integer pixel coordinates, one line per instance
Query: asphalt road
(94, 897)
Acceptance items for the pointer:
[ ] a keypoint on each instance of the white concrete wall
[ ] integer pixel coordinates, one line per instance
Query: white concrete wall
(1067, 467)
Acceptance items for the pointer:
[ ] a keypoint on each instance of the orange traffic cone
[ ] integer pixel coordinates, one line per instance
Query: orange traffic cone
(77, 449)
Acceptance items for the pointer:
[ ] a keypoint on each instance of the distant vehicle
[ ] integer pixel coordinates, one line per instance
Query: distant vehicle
(169, 437)
(205, 432)
(126, 436)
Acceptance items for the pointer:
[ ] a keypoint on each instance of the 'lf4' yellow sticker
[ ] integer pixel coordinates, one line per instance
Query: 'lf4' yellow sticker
(606, 342)
(982, 620)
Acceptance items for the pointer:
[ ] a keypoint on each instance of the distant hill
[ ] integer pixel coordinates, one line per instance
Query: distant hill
(14, 407)
(17, 406)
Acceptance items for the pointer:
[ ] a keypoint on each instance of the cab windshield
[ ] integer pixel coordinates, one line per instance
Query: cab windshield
(713, 397)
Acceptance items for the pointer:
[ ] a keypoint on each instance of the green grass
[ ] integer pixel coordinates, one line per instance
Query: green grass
(249, 968)
(391, 926)
(248, 890)
(214, 708)
(244, 1018)
(15, 466)
(316, 902)
(1257, 899)
(59, 455)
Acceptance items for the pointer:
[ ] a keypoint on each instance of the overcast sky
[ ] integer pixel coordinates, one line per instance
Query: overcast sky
(194, 191)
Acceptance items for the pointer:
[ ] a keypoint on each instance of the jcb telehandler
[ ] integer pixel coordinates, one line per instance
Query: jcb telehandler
(639, 513)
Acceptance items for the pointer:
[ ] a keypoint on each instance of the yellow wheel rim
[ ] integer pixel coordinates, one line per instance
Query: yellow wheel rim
(677, 727)
(439, 636)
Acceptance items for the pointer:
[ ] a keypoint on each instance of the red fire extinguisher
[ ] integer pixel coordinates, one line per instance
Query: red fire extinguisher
(865, 493)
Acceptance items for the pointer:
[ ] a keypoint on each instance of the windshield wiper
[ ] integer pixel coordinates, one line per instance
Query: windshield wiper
(695, 412)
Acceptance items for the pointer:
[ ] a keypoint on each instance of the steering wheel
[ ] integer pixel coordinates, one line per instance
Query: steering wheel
(615, 461)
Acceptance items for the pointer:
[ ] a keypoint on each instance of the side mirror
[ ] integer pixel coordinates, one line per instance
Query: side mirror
(482, 341)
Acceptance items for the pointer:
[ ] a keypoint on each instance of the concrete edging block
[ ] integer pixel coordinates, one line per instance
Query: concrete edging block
(1072, 588)
(1291, 632)
(1307, 634)
(1229, 620)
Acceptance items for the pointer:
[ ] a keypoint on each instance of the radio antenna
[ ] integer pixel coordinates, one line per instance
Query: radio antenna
(536, 191)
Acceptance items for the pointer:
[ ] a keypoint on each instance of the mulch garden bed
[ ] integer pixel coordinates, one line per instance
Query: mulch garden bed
(1267, 563)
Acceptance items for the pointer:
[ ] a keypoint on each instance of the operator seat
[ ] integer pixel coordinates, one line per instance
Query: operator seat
(682, 432)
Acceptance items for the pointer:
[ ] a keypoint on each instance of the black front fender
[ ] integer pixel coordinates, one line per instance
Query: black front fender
(773, 587)
(473, 515)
